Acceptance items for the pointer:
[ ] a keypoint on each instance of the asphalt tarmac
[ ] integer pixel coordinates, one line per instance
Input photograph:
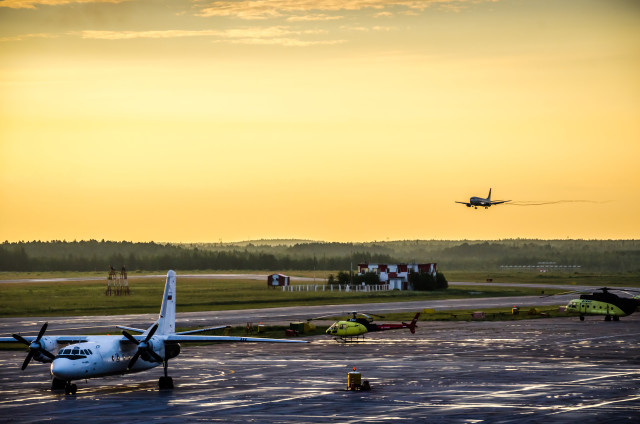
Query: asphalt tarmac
(530, 371)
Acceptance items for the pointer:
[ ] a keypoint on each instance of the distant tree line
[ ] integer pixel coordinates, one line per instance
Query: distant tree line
(424, 281)
(93, 255)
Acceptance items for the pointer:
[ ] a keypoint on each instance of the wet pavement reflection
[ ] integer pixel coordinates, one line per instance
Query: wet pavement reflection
(556, 370)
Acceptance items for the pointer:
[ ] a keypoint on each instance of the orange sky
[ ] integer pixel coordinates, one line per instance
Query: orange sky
(352, 120)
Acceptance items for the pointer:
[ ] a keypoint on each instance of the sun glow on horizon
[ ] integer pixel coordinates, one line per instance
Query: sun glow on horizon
(338, 121)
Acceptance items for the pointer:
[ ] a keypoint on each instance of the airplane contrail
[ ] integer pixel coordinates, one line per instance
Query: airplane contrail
(550, 202)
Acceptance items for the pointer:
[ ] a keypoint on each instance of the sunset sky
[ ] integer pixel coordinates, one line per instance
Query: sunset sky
(337, 120)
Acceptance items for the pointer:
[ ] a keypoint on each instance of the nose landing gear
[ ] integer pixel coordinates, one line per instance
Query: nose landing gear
(58, 384)
(70, 389)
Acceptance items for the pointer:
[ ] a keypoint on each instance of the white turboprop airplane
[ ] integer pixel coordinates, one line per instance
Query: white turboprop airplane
(83, 357)
(480, 201)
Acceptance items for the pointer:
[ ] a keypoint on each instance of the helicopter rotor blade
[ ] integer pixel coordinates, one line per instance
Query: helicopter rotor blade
(321, 317)
(563, 293)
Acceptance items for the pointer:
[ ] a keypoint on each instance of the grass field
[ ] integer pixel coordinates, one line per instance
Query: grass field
(320, 275)
(598, 280)
(88, 297)
(618, 279)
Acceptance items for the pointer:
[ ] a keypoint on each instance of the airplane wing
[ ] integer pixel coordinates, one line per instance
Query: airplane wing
(180, 338)
(464, 203)
(497, 202)
(58, 339)
(202, 330)
(122, 327)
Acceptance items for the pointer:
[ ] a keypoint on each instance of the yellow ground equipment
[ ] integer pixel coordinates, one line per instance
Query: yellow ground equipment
(354, 381)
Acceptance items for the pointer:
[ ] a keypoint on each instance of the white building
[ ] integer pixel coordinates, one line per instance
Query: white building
(397, 275)
(275, 280)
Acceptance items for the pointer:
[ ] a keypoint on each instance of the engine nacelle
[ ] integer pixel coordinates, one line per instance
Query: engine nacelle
(171, 350)
(47, 344)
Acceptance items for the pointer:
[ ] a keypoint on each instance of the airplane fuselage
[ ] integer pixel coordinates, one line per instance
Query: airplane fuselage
(482, 202)
(102, 356)
(479, 201)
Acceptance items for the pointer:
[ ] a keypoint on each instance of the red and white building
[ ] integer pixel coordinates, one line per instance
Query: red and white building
(397, 275)
(277, 280)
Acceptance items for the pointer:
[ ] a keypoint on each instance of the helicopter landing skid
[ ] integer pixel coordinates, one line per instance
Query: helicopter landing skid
(350, 339)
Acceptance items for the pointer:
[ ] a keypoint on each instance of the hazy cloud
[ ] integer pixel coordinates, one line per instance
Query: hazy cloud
(367, 29)
(286, 42)
(319, 17)
(274, 35)
(129, 35)
(23, 37)
(260, 9)
(31, 4)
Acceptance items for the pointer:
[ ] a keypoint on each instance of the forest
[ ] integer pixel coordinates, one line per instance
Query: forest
(281, 255)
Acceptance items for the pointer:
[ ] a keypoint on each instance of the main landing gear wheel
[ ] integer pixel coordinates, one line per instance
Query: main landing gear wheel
(165, 382)
(70, 389)
(616, 318)
(581, 317)
(607, 317)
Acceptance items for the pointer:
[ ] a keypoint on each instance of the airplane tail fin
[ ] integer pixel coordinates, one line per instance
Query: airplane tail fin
(489, 196)
(167, 319)
(412, 326)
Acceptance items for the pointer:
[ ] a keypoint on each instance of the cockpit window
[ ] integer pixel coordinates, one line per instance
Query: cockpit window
(73, 354)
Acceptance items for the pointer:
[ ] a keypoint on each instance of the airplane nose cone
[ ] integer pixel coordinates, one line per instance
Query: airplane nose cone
(62, 369)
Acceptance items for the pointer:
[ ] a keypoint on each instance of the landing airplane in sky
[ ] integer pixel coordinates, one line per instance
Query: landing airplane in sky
(480, 201)
(83, 357)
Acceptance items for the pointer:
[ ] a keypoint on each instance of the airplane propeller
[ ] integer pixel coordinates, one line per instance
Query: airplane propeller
(143, 347)
(35, 346)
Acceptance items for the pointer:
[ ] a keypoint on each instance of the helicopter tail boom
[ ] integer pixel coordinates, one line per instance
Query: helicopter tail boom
(412, 326)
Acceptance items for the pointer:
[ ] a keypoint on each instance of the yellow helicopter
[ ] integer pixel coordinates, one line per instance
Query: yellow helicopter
(354, 328)
(603, 302)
